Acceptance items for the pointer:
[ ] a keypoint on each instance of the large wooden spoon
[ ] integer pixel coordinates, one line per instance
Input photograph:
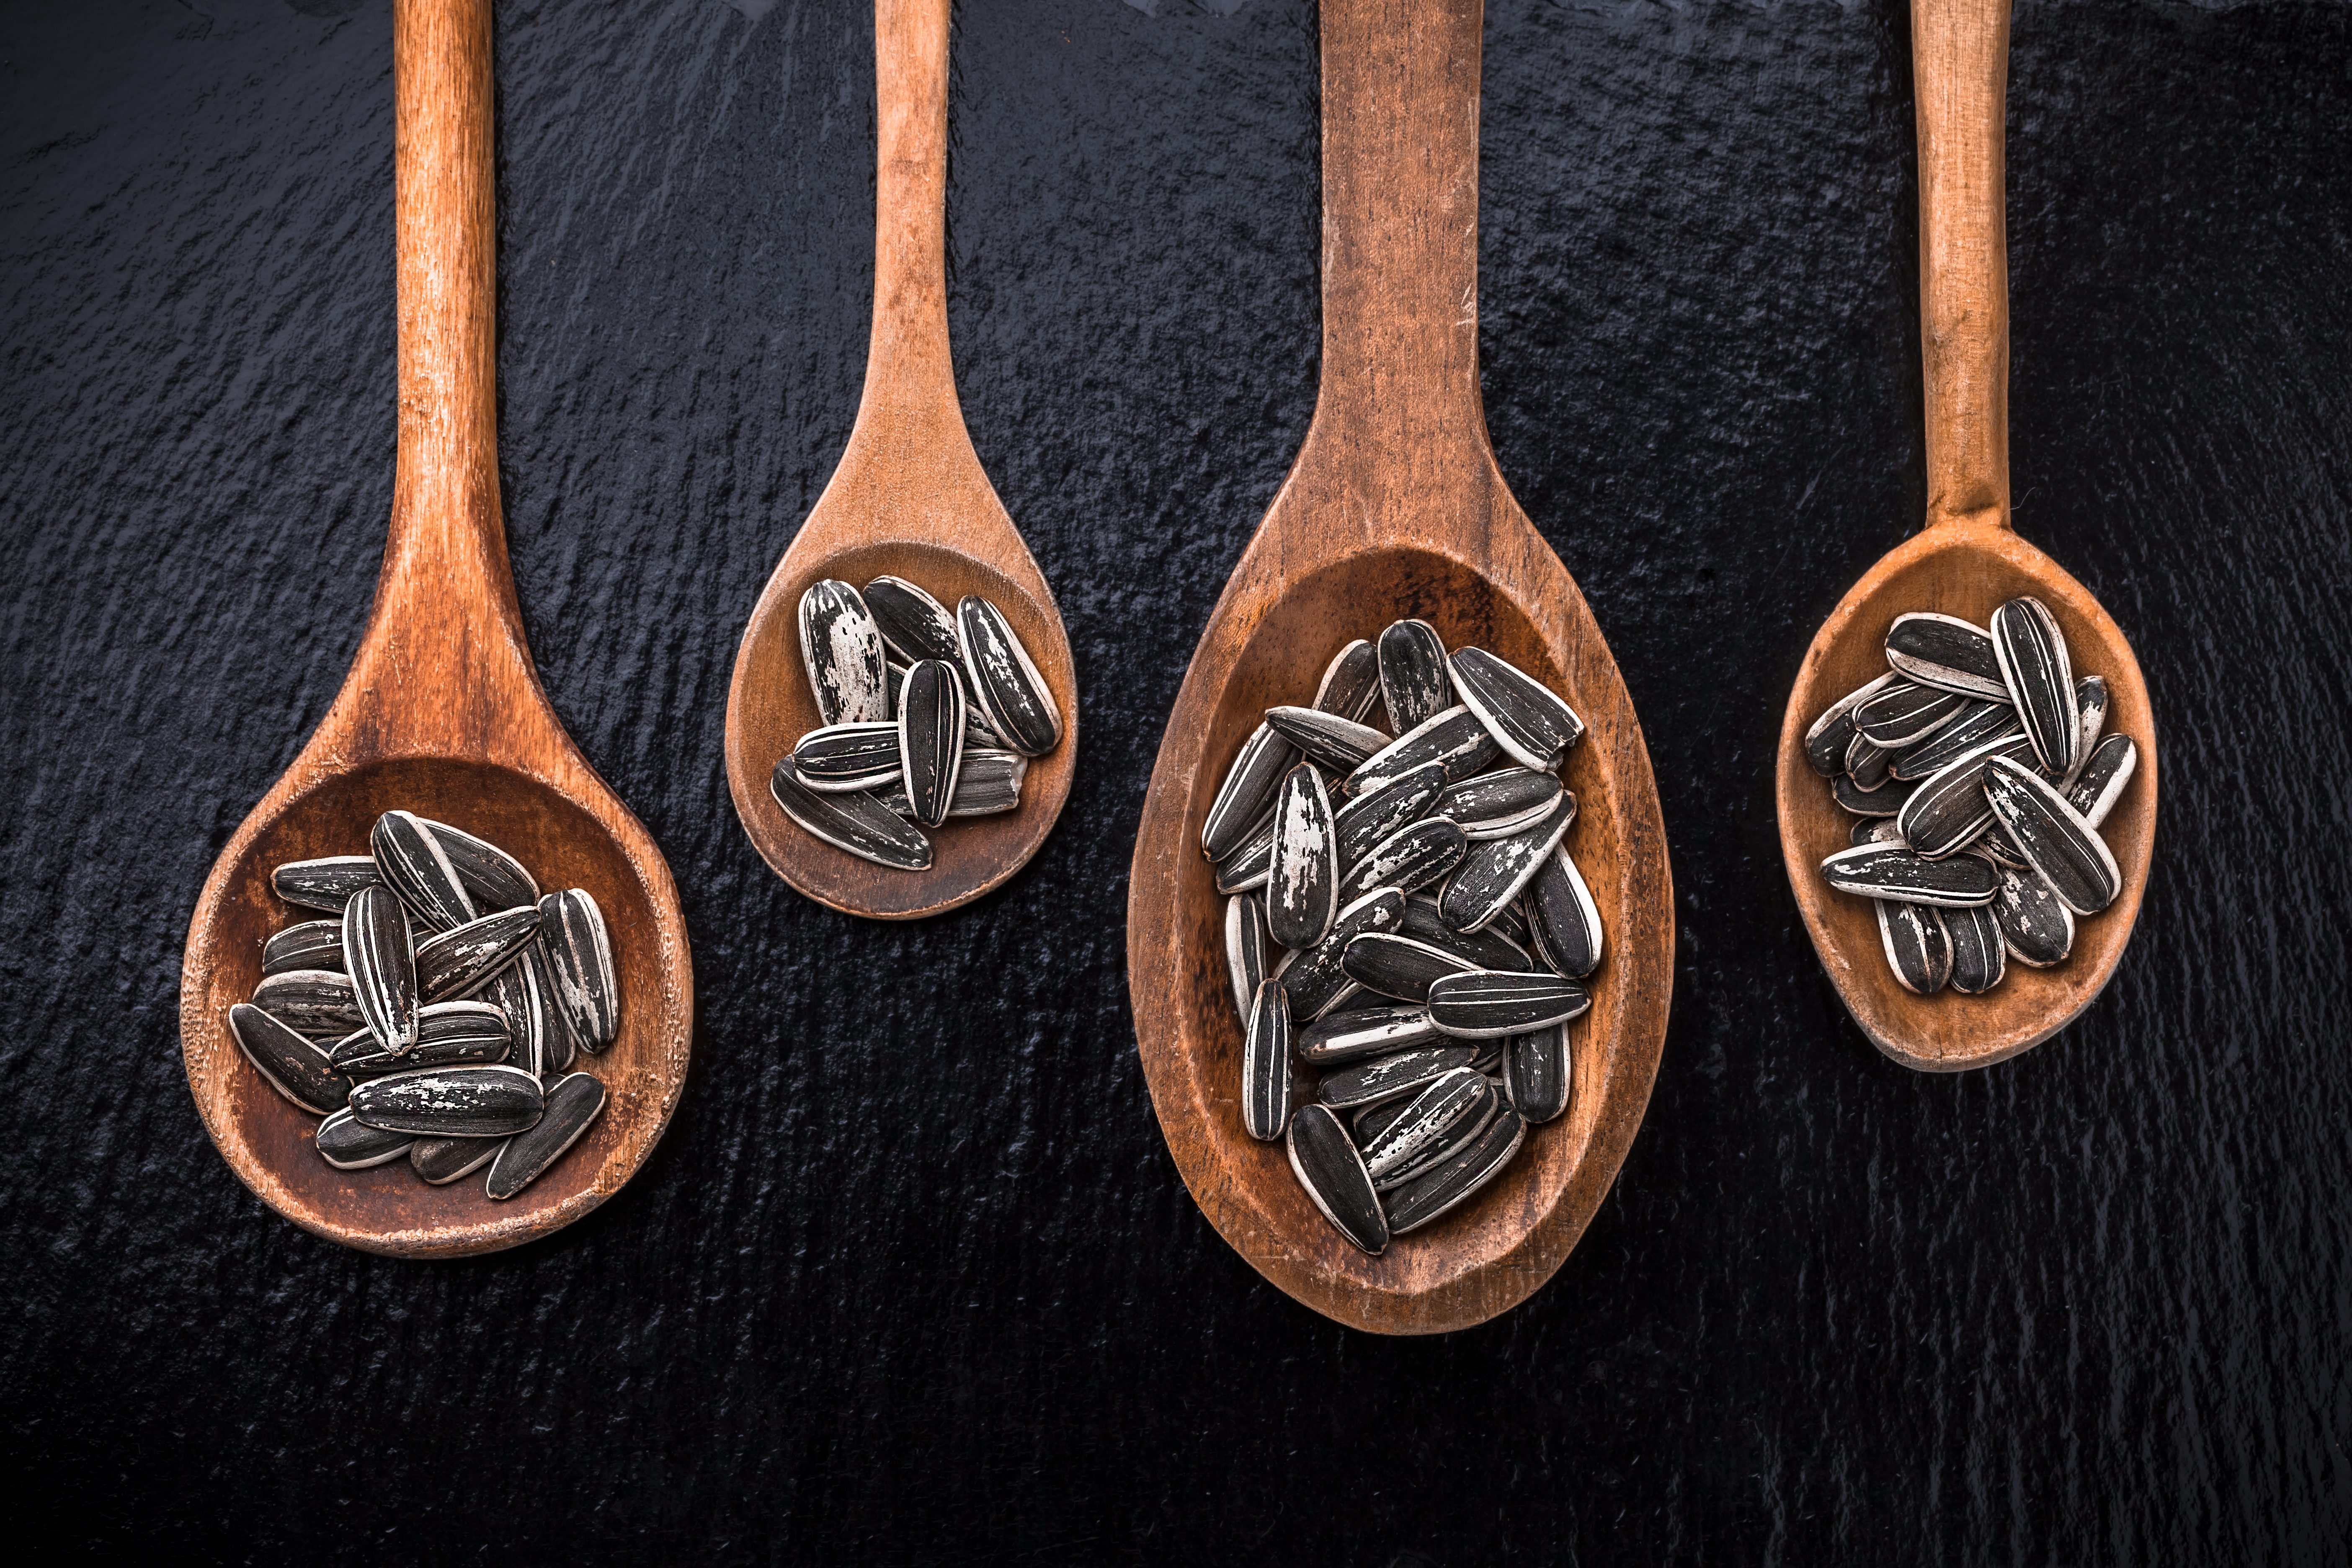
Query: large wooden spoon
(908, 500)
(1966, 562)
(442, 714)
(1395, 508)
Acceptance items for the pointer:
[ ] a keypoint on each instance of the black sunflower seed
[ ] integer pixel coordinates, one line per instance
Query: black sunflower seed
(295, 1066)
(2040, 678)
(1399, 966)
(409, 856)
(1376, 815)
(1566, 924)
(1247, 794)
(1498, 871)
(579, 956)
(1324, 1159)
(1367, 1123)
(382, 962)
(1302, 889)
(841, 757)
(310, 1001)
(1978, 958)
(1316, 981)
(1918, 948)
(2066, 850)
(1351, 683)
(450, 1102)
(1465, 1134)
(448, 1033)
(441, 1161)
(312, 944)
(1946, 652)
(1831, 736)
(987, 781)
(1012, 694)
(572, 1102)
(1429, 1120)
(1532, 724)
(857, 823)
(495, 880)
(347, 1143)
(1248, 960)
(1877, 830)
(560, 1042)
(1455, 1180)
(1384, 1077)
(1996, 846)
(1339, 744)
(1885, 801)
(1906, 713)
(1415, 686)
(1246, 867)
(1947, 811)
(1341, 1037)
(931, 739)
(1537, 1069)
(1868, 764)
(2091, 704)
(915, 626)
(520, 999)
(2035, 928)
(1885, 871)
(977, 735)
(1488, 1005)
(454, 964)
(1511, 923)
(1453, 738)
(1984, 723)
(1497, 805)
(1411, 858)
(1265, 1065)
(841, 650)
(1487, 949)
(326, 884)
(2101, 780)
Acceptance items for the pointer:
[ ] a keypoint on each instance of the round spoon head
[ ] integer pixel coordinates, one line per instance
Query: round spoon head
(571, 836)
(1968, 572)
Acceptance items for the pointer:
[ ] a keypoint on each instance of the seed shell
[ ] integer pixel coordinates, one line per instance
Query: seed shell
(840, 758)
(495, 880)
(1324, 1159)
(1429, 1118)
(2065, 849)
(1877, 830)
(450, 1102)
(1868, 762)
(1948, 811)
(348, 1143)
(1399, 966)
(1450, 1183)
(1498, 871)
(1251, 862)
(1302, 889)
(2091, 703)
(2035, 928)
(1376, 815)
(1918, 947)
(381, 963)
(931, 739)
(1014, 697)
(1351, 683)
(559, 1043)
(1906, 713)
(857, 823)
(1499, 804)
(520, 999)
(1247, 794)
(1454, 738)
(1537, 1069)
(1978, 958)
(409, 855)
(1885, 801)
(987, 783)
(1487, 949)
(841, 650)
(1831, 735)
(1883, 871)
(1411, 858)
(1339, 744)
(1946, 652)
(1465, 1134)
(1385, 1078)
(977, 735)
(913, 625)
(1415, 686)
(1265, 1065)
(2035, 666)
(454, 964)
(1246, 957)
(1341, 1038)
(1532, 724)
(1488, 1005)
(310, 1001)
(326, 884)
(1980, 725)
(572, 1103)
(312, 944)
(446, 1033)
(1316, 980)
(1567, 925)
(580, 965)
(295, 1066)
(441, 1161)
(2101, 781)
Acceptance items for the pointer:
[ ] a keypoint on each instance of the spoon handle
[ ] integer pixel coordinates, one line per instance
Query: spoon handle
(910, 375)
(1959, 51)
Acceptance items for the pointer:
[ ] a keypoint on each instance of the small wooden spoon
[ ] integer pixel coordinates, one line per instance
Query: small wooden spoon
(442, 714)
(908, 500)
(1966, 562)
(1395, 508)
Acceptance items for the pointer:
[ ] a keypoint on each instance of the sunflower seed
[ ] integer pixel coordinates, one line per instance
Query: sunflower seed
(1465, 1134)
(1918, 948)
(915, 626)
(446, 1033)
(1341, 1038)
(1414, 684)
(1487, 949)
(518, 997)
(1399, 966)
(312, 944)
(1316, 981)
(2091, 704)
(326, 884)
(1885, 801)
(1246, 951)
(1978, 959)
(1883, 871)
(1832, 734)
(454, 964)
(1567, 925)
(1339, 744)
(1906, 713)
(1302, 889)
(841, 757)
(1537, 1069)
(1983, 723)
(1511, 925)
(977, 735)
(987, 783)
(857, 823)
(1947, 811)
(1496, 872)
(1351, 683)
(1868, 762)
(559, 1043)
(409, 855)
(1500, 803)
(1376, 815)
(580, 965)
(494, 878)
(1367, 1123)
(348, 1143)
(1385, 1078)
(1488, 1005)
(1877, 830)
(2101, 780)
(2031, 652)
(1429, 1120)
(450, 1102)
(931, 739)
(441, 1161)
(1996, 846)
(1453, 1182)
(310, 1001)
(1012, 696)
(1251, 862)
(1248, 792)
(1265, 1065)
(1453, 738)
(2035, 928)
(841, 649)
(1410, 857)
(572, 1103)
(1324, 1159)
(2066, 850)
(295, 1066)
(1532, 724)
(1946, 652)
(383, 966)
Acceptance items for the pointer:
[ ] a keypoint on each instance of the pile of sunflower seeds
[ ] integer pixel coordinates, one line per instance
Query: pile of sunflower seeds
(926, 716)
(1405, 932)
(1977, 772)
(439, 1013)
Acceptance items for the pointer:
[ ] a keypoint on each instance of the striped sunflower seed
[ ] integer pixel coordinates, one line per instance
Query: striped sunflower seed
(1385, 1078)
(2091, 703)
(1409, 858)
(2031, 652)
(1465, 1134)
(516, 992)
(579, 958)
(2035, 928)
(1376, 815)
(841, 650)
(1883, 871)
(857, 823)
(1487, 949)
(1265, 1065)
(1499, 804)
(2101, 781)
(312, 944)
(1537, 1069)
(572, 1103)
(1996, 846)
(1918, 947)
(347, 1143)
(1324, 1159)
(1488, 1005)
(454, 964)
(1885, 801)
(1869, 764)
(1399, 966)
(1012, 695)
(1247, 794)
(1877, 830)
(1415, 684)
(441, 1161)
(1533, 724)
(1340, 744)
(492, 877)
(312, 1001)
(1453, 738)
(448, 1033)
(1428, 1121)
(1302, 889)
(1250, 864)
(1906, 713)
(931, 739)
(1978, 958)
(326, 884)
(1454, 1182)
(1984, 723)
(1946, 652)
(560, 1041)
(1567, 925)
(1351, 683)
(1315, 980)
(450, 1102)
(1498, 871)
(2065, 849)
(409, 856)
(295, 1066)
(977, 735)
(987, 783)
(381, 963)
(913, 625)
(1947, 812)
(1339, 1038)
(1831, 735)
(1248, 960)
(842, 758)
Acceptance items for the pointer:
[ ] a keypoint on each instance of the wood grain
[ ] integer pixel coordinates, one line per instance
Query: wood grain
(1966, 563)
(1395, 508)
(909, 498)
(442, 714)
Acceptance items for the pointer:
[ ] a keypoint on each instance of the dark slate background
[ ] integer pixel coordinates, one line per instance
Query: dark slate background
(911, 1278)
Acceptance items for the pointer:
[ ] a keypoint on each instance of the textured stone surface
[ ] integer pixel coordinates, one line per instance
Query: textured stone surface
(912, 1278)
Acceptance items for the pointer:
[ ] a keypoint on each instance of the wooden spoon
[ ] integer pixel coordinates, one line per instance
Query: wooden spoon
(1395, 508)
(442, 714)
(1966, 562)
(908, 500)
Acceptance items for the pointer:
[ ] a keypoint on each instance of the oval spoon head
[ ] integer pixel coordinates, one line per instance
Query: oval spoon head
(1963, 571)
